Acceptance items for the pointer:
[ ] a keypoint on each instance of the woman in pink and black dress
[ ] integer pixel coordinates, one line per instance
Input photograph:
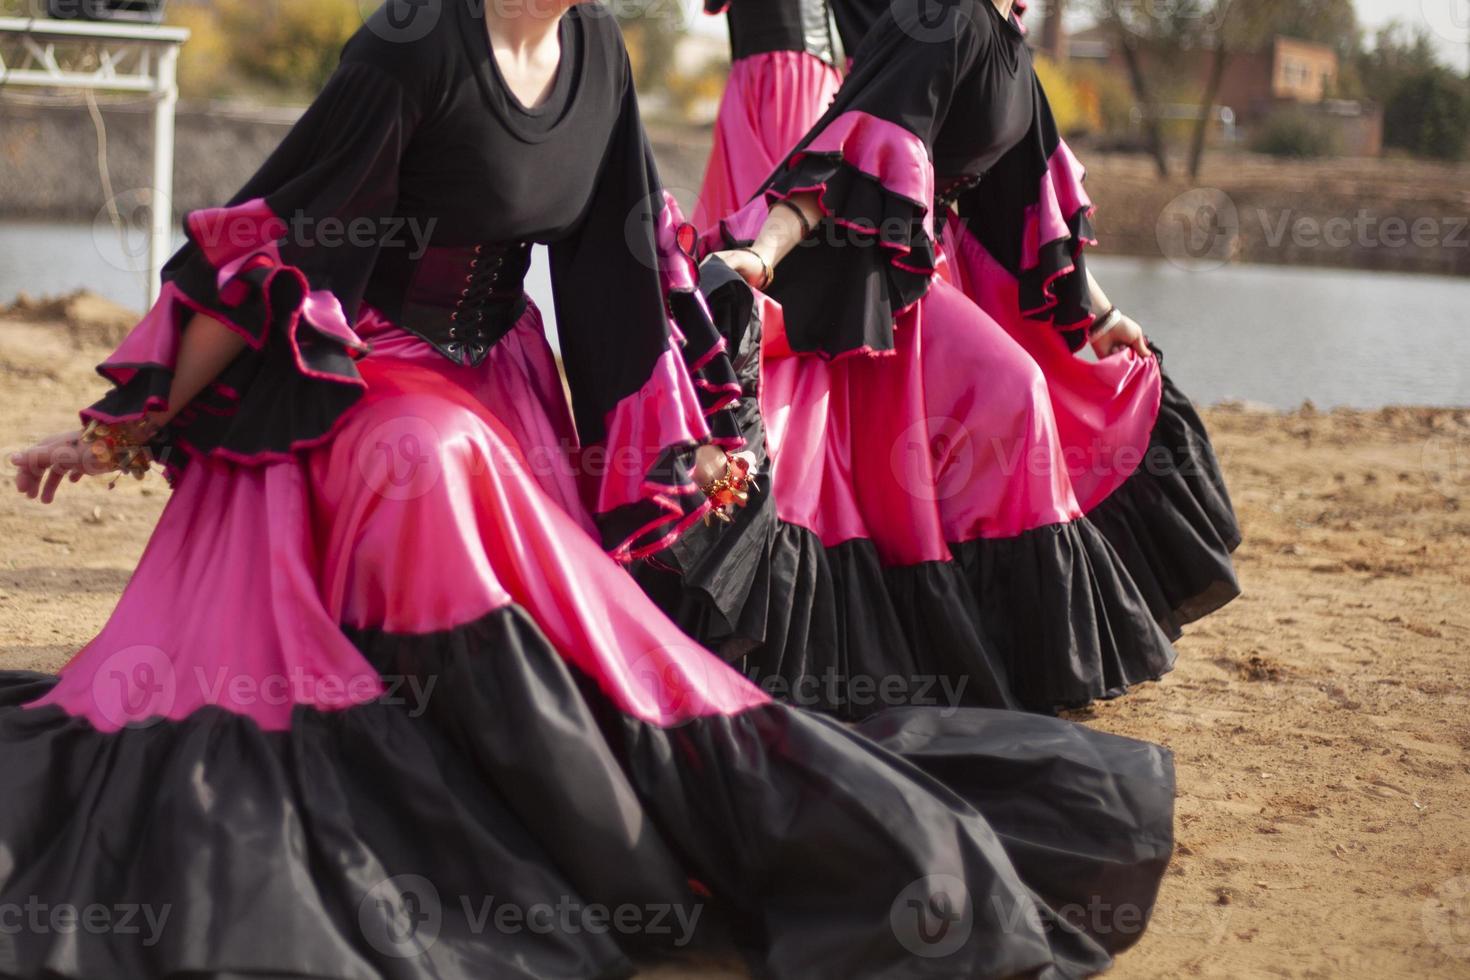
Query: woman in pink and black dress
(373, 670)
(782, 78)
(957, 505)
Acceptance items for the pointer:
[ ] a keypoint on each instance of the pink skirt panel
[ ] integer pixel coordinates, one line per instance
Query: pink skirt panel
(950, 439)
(433, 505)
(1104, 410)
(771, 100)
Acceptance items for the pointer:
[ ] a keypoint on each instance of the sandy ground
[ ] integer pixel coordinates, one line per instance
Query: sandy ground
(1319, 723)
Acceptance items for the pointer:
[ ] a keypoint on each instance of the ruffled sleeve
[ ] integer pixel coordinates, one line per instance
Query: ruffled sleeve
(649, 375)
(284, 265)
(1032, 214)
(869, 160)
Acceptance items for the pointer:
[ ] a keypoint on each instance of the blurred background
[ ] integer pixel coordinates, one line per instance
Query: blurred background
(1283, 192)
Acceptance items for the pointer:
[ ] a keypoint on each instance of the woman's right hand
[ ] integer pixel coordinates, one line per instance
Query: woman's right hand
(40, 469)
(746, 264)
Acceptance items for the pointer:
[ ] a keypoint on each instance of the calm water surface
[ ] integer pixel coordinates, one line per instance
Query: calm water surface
(1277, 336)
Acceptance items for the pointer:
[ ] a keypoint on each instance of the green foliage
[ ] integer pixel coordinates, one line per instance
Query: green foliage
(1397, 55)
(652, 29)
(292, 44)
(1106, 92)
(1074, 105)
(1429, 115)
(1296, 133)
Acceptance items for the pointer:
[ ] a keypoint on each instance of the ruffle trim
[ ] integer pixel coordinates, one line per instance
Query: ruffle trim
(317, 851)
(1047, 619)
(687, 401)
(874, 185)
(1058, 229)
(287, 390)
(1172, 522)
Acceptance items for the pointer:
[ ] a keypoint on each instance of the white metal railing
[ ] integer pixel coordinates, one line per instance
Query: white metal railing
(39, 52)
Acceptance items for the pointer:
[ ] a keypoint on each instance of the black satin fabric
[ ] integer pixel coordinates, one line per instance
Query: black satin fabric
(347, 846)
(1172, 522)
(1052, 618)
(1045, 620)
(761, 26)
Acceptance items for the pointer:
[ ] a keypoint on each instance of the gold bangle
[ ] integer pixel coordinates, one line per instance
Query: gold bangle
(119, 447)
(768, 275)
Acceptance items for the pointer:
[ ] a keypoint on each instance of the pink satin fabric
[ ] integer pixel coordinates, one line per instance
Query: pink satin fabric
(1062, 195)
(950, 439)
(885, 151)
(882, 150)
(238, 238)
(437, 502)
(1104, 410)
(770, 102)
(980, 424)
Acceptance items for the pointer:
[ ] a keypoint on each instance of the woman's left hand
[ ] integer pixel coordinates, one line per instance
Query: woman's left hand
(711, 463)
(1126, 334)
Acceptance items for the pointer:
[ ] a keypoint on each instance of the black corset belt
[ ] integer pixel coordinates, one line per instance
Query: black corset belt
(462, 299)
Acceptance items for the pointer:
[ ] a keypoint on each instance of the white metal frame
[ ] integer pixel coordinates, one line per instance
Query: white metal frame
(70, 54)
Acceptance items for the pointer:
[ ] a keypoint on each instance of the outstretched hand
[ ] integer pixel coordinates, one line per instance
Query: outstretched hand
(41, 468)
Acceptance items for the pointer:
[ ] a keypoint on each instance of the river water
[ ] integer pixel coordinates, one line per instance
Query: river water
(1272, 335)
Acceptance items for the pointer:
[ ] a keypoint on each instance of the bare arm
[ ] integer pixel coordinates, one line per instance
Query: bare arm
(1124, 334)
(206, 349)
(782, 232)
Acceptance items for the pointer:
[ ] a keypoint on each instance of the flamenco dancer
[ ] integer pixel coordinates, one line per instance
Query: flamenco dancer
(782, 78)
(373, 672)
(952, 492)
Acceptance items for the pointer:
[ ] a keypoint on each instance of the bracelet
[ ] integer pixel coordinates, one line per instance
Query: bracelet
(806, 226)
(1106, 322)
(119, 447)
(732, 488)
(768, 275)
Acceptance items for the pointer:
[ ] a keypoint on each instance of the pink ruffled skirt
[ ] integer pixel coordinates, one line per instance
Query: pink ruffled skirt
(770, 102)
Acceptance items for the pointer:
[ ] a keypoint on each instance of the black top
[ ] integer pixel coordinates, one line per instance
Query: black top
(415, 183)
(761, 26)
(958, 77)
